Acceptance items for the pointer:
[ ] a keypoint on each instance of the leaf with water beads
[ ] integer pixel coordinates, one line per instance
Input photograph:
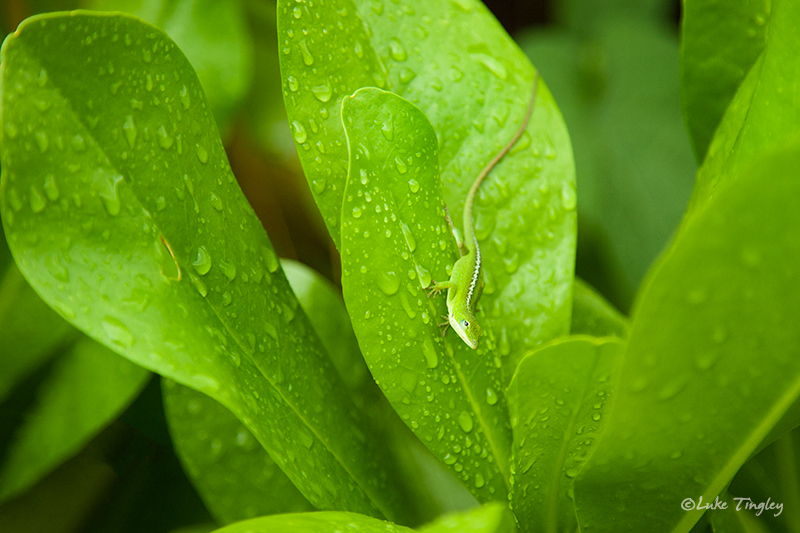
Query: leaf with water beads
(130, 248)
(393, 228)
(457, 64)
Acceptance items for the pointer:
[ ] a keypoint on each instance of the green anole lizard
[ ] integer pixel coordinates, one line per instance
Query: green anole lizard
(465, 285)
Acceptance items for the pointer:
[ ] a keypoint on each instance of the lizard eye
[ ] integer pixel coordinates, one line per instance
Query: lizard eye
(465, 323)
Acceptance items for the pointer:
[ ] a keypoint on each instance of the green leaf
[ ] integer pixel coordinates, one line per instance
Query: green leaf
(733, 520)
(712, 360)
(559, 400)
(593, 315)
(491, 518)
(394, 239)
(621, 102)
(213, 35)
(227, 465)
(760, 118)
(88, 387)
(457, 64)
(145, 242)
(30, 333)
(325, 522)
(720, 41)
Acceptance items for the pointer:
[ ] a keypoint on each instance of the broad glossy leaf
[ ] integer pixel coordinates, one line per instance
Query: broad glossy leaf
(491, 518)
(88, 387)
(720, 41)
(712, 360)
(325, 522)
(593, 315)
(762, 115)
(559, 401)
(30, 332)
(394, 241)
(456, 63)
(227, 465)
(136, 232)
(621, 101)
(214, 36)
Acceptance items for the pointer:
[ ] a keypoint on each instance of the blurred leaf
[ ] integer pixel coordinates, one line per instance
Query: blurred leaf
(733, 520)
(87, 388)
(214, 36)
(456, 63)
(720, 41)
(30, 331)
(712, 360)
(586, 15)
(620, 98)
(325, 522)
(230, 469)
(593, 315)
(390, 252)
(559, 401)
(491, 518)
(762, 115)
(189, 285)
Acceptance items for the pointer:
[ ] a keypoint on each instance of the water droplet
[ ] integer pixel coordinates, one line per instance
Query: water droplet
(410, 240)
(308, 59)
(319, 185)
(424, 276)
(413, 185)
(406, 75)
(293, 84)
(397, 50)
(107, 184)
(216, 203)
(491, 396)
(465, 421)
(429, 351)
(37, 200)
(198, 285)
(228, 269)
(387, 129)
(359, 50)
(11, 130)
(299, 132)
(406, 305)
(297, 12)
(400, 165)
(185, 98)
(357, 212)
(117, 332)
(495, 66)
(572, 472)
(78, 143)
(479, 481)
(164, 139)
(388, 282)
(322, 93)
(148, 84)
(596, 417)
(42, 141)
(129, 129)
(270, 259)
(202, 153)
(202, 263)
(50, 187)
(568, 197)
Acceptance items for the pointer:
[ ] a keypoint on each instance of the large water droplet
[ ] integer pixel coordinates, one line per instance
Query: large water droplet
(107, 183)
(388, 282)
(413, 185)
(164, 139)
(270, 259)
(42, 141)
(51, 187)
(202, 263)
(129, 129)
(406, 75)
(322, 93)
(185, 98)
(37, 200)
(117, 332)
(202, 153)
(397, 50)
(299, 132)
(308, 59)
(465, 421)
(402, 168)
(294, 85)
(568, 197)
(429, 351)
(410, 240)
(228, 269)
(491, 396)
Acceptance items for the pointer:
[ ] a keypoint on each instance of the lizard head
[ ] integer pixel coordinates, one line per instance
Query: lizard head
(467, 328)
